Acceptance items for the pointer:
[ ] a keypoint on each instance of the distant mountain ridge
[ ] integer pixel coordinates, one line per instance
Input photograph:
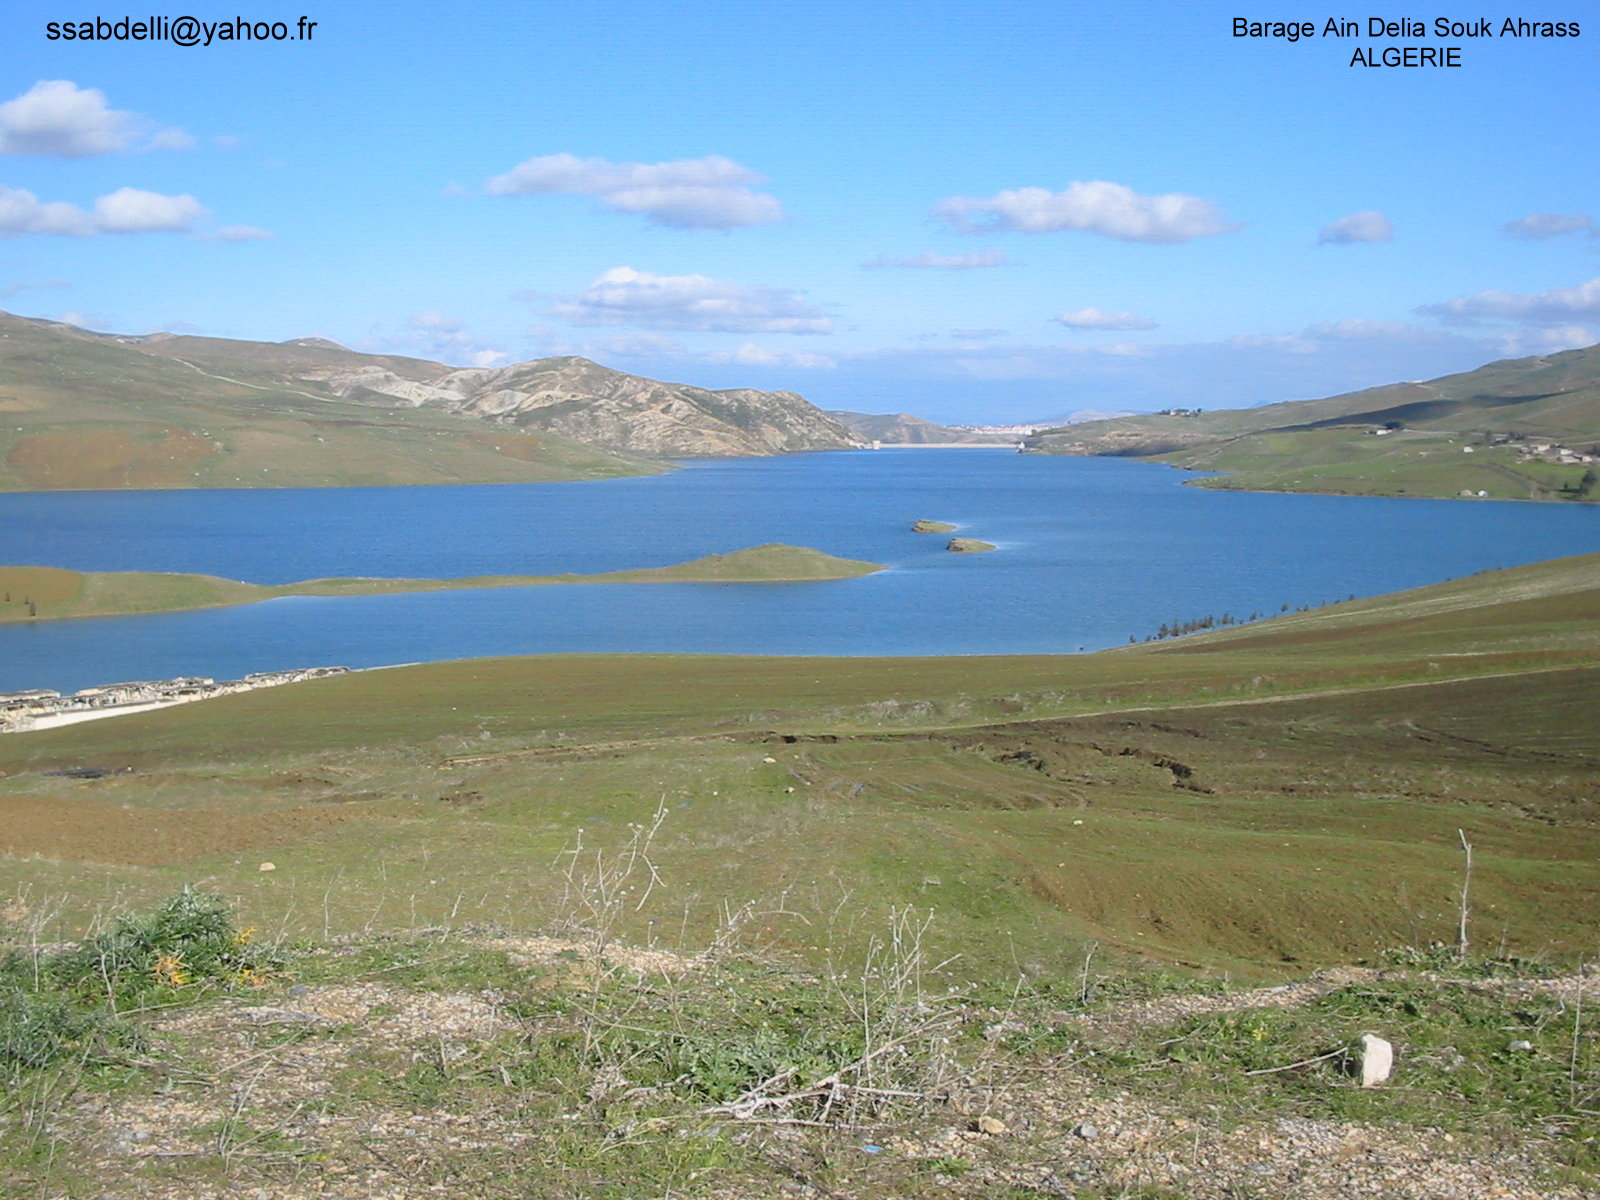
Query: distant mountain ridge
(568, 395)
(83, 409)
(1524, 428)
(903, 429)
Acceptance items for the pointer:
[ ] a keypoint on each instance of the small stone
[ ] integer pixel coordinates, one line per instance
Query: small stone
(992, 1126)
(267, 867)
(1087, 1131)
(1377, 1060)
(298, 989)
(1521, 1047)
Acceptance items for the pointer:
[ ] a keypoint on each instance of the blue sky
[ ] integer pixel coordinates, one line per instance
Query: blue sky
(979, 213)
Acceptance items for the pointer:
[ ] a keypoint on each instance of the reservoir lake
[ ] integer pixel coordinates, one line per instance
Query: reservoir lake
(1090, 553)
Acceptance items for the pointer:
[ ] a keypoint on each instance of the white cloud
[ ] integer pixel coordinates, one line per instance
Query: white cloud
(129, 210)
(1363, 330)
(431, 321)
(1549, 225)
(691, 193)
(171, 139)
(1095, 207)
(1547, 341)
(977, 335)
(16, 289)
(1027, 381)
(1093, 318)
(1555, 307)
(241, 233)
(623, 296)
(126, 210)
(58, 118)
(943, 262)
(23, 212)
(1368, 226)
(634, 345)
(1286, 343)
(436, 335)
(752, 355)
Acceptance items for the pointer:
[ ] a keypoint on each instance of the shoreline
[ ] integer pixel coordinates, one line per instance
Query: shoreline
(41, 709)
(150, 593)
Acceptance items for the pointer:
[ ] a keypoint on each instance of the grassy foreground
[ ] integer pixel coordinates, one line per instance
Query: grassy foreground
(175, 1053)
(717, 927)
(42, 593)
(1277, 795)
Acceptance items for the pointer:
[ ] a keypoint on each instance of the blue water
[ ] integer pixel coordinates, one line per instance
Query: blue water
(1091, 551)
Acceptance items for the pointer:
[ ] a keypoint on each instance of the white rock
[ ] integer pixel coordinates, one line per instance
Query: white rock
(1377, 1060)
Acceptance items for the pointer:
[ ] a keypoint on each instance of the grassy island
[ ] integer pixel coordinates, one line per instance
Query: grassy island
(43, 593)
(926, 526)
(968, 546)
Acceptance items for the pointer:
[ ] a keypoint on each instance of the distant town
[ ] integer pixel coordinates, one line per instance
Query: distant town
(43, 709)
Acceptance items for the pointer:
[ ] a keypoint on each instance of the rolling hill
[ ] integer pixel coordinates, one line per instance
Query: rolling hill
(1522, 428)
(87, 410)
(903, 429)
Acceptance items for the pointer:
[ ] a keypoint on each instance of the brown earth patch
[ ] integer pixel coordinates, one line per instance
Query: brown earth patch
(42, 585)
(77, 830)
(524, 447)
(150, 456)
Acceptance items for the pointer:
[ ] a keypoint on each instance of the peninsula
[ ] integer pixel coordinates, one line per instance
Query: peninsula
(44, 593)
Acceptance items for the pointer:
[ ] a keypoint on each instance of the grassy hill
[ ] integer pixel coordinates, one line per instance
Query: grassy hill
(45, 593)
(1283, 793)
(712, 927)
(81, 410)
(1479, 431)
(88, 410)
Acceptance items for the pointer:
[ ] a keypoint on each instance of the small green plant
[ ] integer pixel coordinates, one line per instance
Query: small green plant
(40, 1029)
(66, 1004)
(189, 941)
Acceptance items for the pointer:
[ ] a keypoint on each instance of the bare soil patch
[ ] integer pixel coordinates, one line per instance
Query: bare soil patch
(158, 457)
(94, 831)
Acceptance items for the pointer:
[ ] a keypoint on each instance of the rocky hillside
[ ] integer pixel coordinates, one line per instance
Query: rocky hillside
(569, 396)
(590, 403)
(903, 429)
(87, 410)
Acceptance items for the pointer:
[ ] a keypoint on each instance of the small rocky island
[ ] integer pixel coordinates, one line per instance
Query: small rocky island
(926, 526)
(968, 546)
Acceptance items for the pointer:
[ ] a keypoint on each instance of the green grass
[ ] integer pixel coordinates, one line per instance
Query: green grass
(1258, 800)
(85, 411)
(1471, 1058)
(743, 1072)
(42, 593)
(1329, 445)
(1351, 461)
